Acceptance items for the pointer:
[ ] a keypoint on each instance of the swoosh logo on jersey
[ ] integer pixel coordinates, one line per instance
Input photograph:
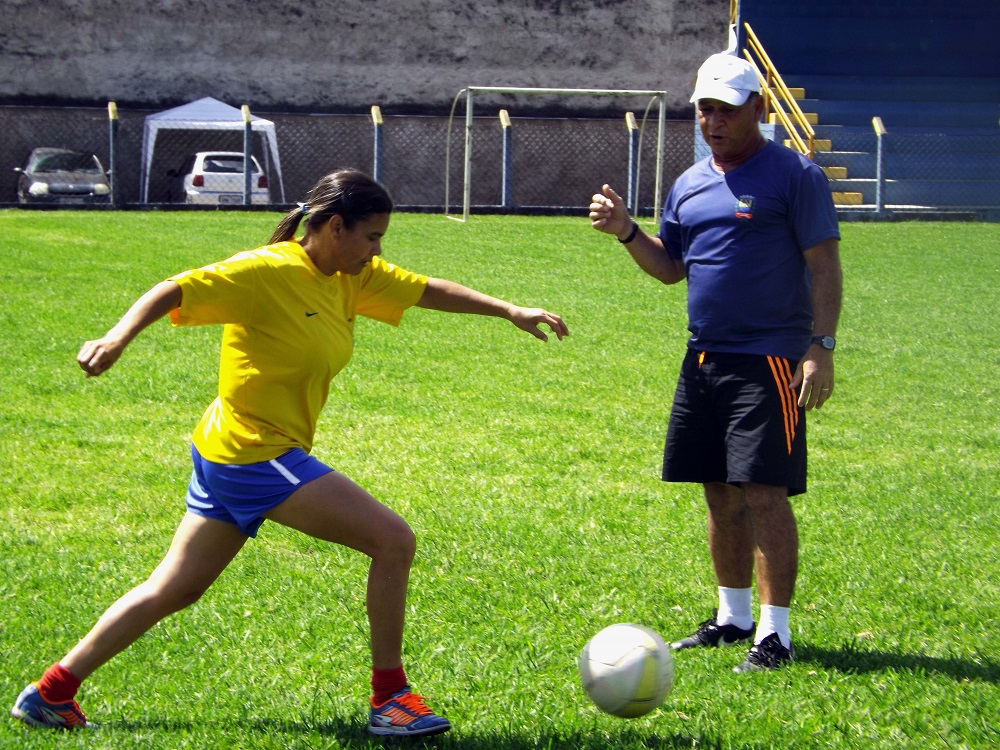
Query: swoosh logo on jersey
(309, 314)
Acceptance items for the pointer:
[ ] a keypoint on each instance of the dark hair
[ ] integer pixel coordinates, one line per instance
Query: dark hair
(349, 193)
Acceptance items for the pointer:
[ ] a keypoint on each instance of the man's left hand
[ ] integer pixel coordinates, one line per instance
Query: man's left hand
(814, 377)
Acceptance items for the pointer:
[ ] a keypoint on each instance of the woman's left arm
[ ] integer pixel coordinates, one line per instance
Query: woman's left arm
(448, 296)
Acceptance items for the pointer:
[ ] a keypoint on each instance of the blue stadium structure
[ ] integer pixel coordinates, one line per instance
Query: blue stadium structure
(928, 70)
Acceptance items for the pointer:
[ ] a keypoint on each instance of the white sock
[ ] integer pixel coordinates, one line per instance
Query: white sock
(774, 620)
(735, 607)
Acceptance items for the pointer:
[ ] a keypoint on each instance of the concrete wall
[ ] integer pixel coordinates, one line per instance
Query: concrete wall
(407, 56)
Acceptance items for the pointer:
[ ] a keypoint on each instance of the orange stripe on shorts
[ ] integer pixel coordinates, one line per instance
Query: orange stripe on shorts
(789, 409)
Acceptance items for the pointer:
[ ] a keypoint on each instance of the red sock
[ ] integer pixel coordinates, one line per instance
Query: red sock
(58, 684)
(385, 682)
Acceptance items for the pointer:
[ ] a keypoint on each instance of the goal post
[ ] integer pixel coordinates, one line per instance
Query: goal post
(470, 93)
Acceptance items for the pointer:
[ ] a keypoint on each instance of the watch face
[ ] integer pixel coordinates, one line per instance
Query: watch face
(827, 342)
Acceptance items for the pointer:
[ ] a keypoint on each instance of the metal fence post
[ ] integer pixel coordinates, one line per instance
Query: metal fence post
(377, 147)
(632, 197)
(508, 152)
(247, 149)
(661, 133)
(879, 177)
(467, 188)
(113, 151)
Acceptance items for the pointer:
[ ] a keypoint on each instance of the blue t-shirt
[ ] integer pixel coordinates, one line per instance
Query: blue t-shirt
(741, 236)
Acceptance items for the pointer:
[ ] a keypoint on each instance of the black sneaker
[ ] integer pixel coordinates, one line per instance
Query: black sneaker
(711, 634)
(768, 654)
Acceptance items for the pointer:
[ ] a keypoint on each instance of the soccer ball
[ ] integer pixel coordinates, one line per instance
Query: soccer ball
(627, 670)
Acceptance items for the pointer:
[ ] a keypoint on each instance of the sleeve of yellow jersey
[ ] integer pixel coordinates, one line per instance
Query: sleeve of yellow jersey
(217, 293)
(387, 291)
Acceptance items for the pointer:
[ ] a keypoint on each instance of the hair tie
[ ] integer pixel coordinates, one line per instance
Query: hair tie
(303, 210)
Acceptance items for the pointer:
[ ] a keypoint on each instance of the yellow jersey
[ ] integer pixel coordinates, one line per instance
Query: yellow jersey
(288, 330)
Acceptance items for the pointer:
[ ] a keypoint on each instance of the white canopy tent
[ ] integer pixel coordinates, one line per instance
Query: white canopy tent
(207, 114)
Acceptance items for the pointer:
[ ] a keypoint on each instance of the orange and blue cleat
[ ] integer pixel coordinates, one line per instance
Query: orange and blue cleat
(33, 709)
(405, 715)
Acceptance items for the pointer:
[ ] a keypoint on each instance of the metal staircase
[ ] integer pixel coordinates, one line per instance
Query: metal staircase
(897, 101)
(782, 109)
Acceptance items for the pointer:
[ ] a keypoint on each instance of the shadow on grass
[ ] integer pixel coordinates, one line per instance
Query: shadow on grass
(855, 658)
(354, 736)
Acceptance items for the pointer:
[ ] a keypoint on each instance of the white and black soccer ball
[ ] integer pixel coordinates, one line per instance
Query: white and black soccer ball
(627, 670)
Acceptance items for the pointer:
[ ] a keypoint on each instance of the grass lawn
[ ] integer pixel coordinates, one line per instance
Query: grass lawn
(529, 472)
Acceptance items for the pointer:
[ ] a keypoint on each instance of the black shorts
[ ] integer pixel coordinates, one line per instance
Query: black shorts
(735, 419)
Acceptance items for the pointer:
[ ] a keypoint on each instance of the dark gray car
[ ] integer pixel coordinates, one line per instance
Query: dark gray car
(58, 175)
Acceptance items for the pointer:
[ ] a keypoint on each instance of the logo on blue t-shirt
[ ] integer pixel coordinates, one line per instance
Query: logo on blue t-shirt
(744, 207)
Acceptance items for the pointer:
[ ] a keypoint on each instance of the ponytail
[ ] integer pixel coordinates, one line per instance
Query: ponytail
(348, 193)
(288, 225)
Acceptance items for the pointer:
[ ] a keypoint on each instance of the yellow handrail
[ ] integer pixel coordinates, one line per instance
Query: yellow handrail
(772, 80)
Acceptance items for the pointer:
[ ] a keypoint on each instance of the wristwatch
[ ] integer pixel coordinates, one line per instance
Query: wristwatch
(827, 342)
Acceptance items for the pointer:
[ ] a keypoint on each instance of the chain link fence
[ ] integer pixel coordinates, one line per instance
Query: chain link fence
(534, 165)
(555, 164)
(907, 170)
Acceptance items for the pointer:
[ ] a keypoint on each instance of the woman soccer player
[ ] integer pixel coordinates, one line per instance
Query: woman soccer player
(288, 312)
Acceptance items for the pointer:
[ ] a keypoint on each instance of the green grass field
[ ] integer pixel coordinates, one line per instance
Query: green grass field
(530, 474)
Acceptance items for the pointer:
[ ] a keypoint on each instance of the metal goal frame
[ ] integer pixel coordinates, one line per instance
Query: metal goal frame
(470, 92)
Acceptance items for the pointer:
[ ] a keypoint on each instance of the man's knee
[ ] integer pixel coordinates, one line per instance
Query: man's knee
(766, 499)
(725, 500)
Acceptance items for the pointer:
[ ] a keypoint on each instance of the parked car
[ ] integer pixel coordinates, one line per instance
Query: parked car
(58, 175)
(212, 178)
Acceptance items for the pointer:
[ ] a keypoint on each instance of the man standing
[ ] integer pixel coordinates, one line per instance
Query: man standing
(753, 229)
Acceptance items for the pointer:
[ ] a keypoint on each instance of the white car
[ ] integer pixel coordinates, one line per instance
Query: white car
(214, 178)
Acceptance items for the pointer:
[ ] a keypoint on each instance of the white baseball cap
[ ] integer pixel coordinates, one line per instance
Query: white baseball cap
(728, 78)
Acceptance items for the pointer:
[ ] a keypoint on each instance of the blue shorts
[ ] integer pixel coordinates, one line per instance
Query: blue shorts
(242, 494)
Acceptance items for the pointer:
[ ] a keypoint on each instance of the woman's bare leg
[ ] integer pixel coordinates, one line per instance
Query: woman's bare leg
(200, 551)
(335, 509)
